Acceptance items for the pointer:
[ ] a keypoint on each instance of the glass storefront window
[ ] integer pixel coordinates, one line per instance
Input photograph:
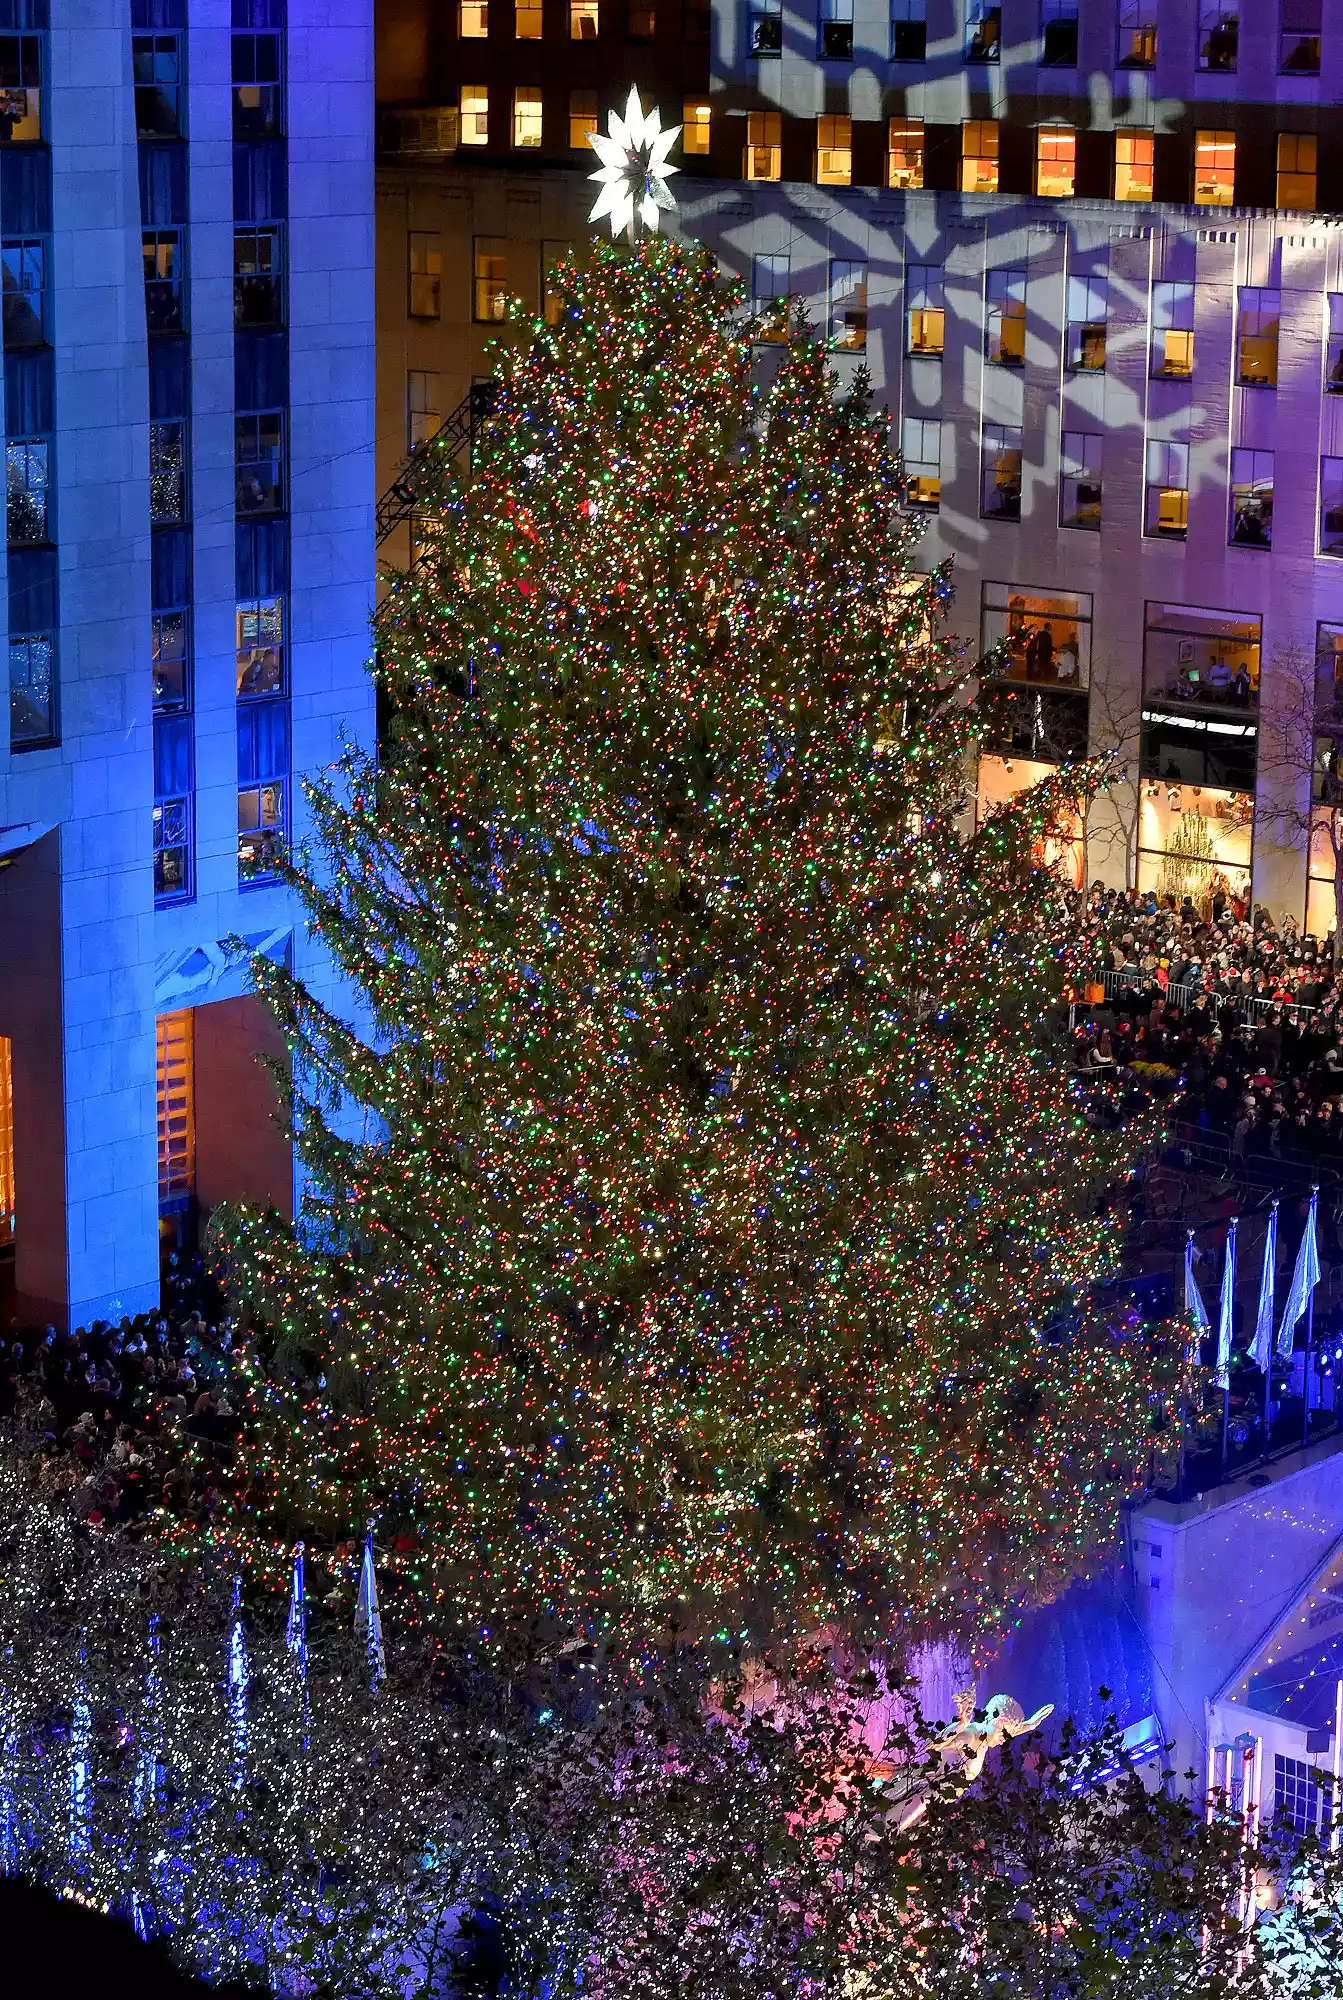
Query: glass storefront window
(1200, 659)
(1041, 636)
(1194, 841)
(1001, 779)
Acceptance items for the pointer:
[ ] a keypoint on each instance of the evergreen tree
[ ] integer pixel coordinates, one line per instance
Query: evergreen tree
(719, 1233)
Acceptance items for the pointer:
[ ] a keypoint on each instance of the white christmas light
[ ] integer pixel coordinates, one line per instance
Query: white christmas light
(633, 172)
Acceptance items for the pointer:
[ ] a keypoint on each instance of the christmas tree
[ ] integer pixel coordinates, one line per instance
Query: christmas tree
(718, 1231)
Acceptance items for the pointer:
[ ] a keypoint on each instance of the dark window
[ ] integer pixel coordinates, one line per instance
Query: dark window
(258, 277)
(173, 780)
(1058, 33)
(260, 371)
(1251, 523)
(1296, 1793)
(32, 690)
(25, 193)
(24, 267)
(1299, 40)
(171, 658)
(33, 720)
(983, 31)
(259, 457)
(1333, 352)
(260, 188)
(836, 30)
(258, 94)
(167, 473)
(1218, 34)
(764, 28)
(163, 186)
(159, 99)
(909, 30)
(1137, 26)
(26, 467)
(165, 287)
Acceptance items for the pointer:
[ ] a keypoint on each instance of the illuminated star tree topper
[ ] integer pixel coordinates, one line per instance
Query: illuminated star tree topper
(634, 168)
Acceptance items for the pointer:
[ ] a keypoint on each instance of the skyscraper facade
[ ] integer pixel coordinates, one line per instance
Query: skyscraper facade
(187, 198)
(1087, 257)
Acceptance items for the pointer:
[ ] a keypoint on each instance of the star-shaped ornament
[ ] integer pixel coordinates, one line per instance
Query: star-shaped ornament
(633, 172)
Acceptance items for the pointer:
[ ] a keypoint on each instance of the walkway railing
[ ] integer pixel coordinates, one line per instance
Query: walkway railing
(1184, 996)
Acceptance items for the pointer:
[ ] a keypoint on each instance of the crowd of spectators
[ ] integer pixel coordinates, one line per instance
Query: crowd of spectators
(1239, 1020)
(129, 1417)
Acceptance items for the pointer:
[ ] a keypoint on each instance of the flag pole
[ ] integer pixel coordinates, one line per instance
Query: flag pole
(1264, 1339)
(1224, 1336)
(1310, 1332)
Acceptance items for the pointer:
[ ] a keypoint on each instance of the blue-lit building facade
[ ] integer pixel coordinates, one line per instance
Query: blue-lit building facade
(1089, 257)
(187, 206)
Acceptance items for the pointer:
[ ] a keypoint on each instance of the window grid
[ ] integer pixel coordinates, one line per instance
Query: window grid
(1137, 29)
(904, 153)
(1251, 523)
(979, 156)
(764, 146)
(834, 151)
(1218, 34)
(1297, 184)
(1166, 514)
(1055, 161)
(1135, 164)
(1214, 169)
(1257, 337)
(909, 30)
(1080, 462)
(1000, 472)
(983, 31)
(925, 309)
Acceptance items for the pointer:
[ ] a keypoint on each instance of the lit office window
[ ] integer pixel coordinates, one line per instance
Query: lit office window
(489, 300)
(694, 126)
(764, 146)
(1055, 160)
(1173, 330)
(582, 20)
(1167, 510)
(1218, 34)
(771, 287)
(1297, 177)
(848, 304)
(979, 156)
(1331, 506)
(835, 30)
(1005, 318)
(424, 405)
(263, 784)
(983, 31)
(475, 106)
(1000, 472)
(1058, 33)
(925, 309)
(426, 274)
(1136, 48)
(1088, 308)
(1215, 169)
(764, 28)
(909, 30)
(582, 119)
(527, 20)
(473, 19)
(1080, 480)
(526, 118)
(904, 153)
(1257, 337)
(1251, 523)
(834, 152)
(1135, 156)
(259, 657)
(20, 89)
(1299, 38)
(921, 461)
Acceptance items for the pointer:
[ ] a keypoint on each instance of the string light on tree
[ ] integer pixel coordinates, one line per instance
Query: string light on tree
(729, 1240)
(634, 168)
